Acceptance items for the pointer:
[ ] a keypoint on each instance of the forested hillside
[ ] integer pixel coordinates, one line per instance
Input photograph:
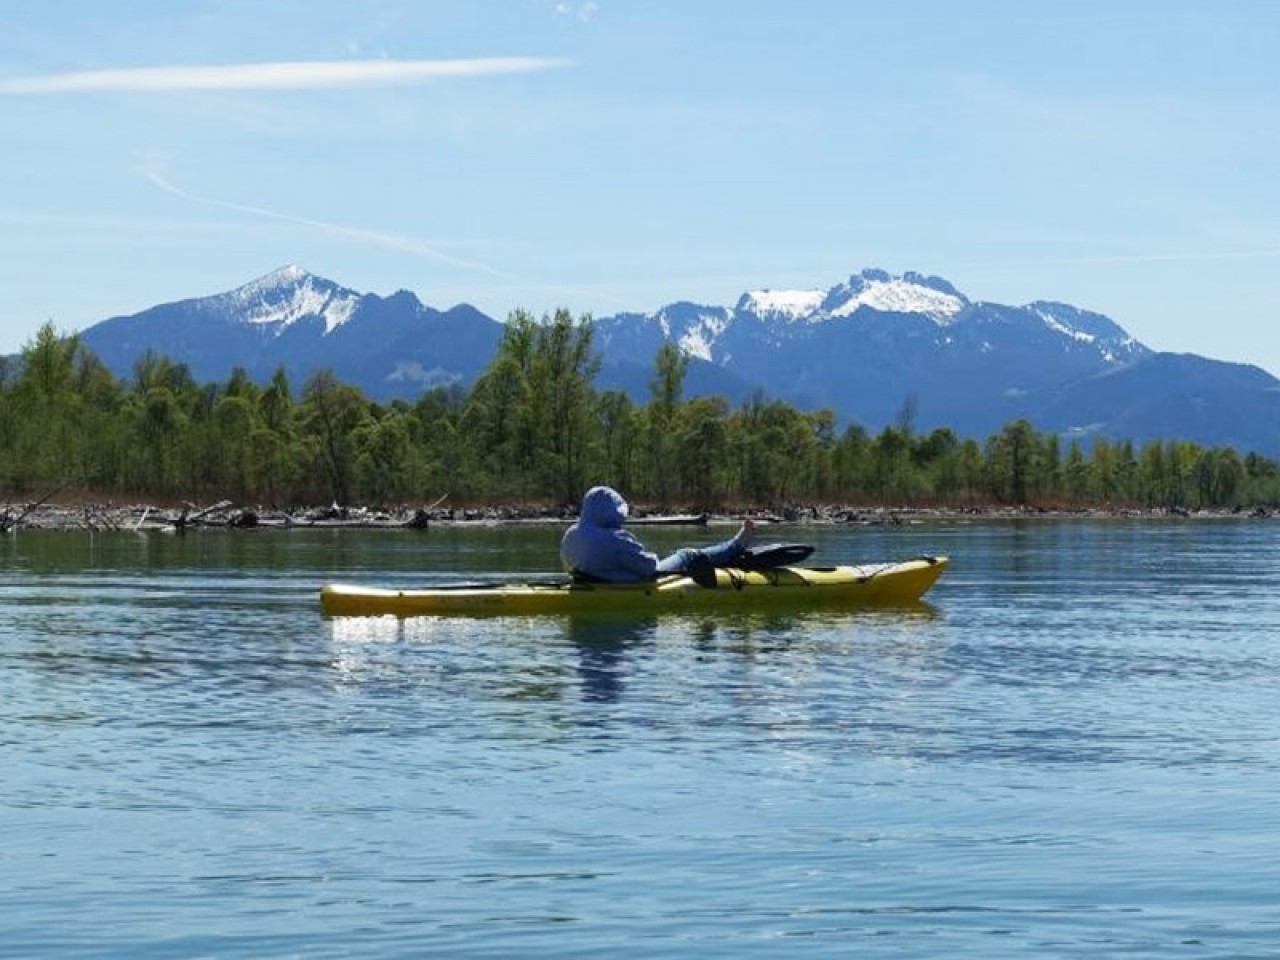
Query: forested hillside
(534, 428)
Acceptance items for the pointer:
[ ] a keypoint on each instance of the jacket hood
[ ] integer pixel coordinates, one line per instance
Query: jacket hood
(603, 507)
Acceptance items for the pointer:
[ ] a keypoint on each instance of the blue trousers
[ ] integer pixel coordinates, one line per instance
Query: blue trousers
(720, 555)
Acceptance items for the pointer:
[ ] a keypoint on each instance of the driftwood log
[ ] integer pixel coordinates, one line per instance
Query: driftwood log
(676, 520)
(10, 521)
(186, 518)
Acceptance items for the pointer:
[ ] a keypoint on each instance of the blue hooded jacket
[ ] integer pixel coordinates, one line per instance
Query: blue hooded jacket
(598, 547)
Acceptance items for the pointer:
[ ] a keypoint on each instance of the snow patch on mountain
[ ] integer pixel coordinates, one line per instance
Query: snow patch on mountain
(792, 304)
(900, 295)
(336, 314)
(1056, 325)
(698, 340)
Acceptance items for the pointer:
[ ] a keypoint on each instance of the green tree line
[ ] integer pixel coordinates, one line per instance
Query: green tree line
(534, 428)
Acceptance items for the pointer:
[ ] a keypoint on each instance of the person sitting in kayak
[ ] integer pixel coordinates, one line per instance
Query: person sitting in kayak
(598, 548)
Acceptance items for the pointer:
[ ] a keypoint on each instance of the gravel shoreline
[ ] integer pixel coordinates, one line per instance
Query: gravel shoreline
(141, 517)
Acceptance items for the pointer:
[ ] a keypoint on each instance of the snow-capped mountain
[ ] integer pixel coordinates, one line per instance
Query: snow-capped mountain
(868, 346)
(868, 349)
(390, 346)
(794, 316)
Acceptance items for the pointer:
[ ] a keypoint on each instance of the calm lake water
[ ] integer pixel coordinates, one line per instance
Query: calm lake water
(1071, 753)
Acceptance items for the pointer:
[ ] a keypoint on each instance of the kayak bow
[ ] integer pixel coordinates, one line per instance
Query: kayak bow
(873, 585)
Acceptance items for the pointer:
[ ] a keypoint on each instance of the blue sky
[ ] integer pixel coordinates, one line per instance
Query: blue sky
(622, 154)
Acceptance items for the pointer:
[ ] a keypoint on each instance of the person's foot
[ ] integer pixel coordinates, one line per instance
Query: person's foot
(747, 533)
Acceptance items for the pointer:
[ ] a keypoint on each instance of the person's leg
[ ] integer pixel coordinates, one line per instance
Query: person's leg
(720, 555)
(724, 554)
(677, 562)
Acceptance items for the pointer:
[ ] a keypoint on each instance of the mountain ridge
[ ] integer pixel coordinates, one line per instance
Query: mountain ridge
(868, 347)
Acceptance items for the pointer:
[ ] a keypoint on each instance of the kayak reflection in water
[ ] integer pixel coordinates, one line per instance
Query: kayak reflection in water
(597, 548)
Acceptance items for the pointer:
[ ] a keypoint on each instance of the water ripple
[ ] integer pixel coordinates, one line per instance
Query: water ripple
(1072, 752)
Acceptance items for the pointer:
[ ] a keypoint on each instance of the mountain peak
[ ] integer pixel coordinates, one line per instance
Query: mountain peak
(932, 283)
(289, 273)
(282, 278)
(910, 293)
(288, 294)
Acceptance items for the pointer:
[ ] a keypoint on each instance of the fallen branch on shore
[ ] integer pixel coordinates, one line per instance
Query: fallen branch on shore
(9, 521)
(186, 518)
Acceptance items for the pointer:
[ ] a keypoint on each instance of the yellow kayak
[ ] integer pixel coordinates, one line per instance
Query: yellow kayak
(873, 585)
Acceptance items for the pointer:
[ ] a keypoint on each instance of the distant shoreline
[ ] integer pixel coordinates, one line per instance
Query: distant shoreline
(101, 516)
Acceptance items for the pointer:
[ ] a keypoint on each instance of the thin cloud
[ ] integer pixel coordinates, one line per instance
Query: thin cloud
(391, 241)
(1153, 258)
(583, 11)
(309, 75)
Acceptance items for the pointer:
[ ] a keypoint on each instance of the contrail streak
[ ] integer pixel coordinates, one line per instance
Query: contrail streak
(392, 241)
